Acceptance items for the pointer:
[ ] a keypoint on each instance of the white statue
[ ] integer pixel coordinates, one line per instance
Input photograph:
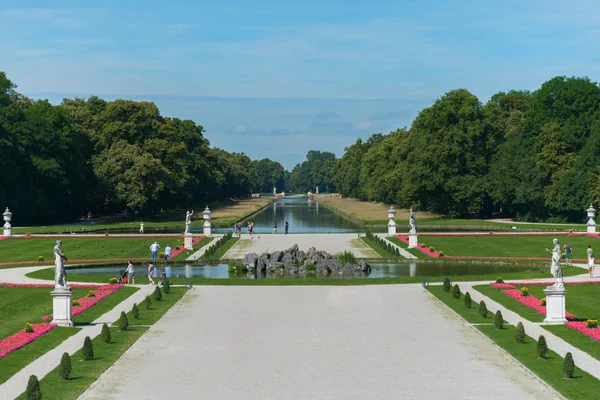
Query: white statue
(412, 222)
(188, 220)
(60, 276)
(556, 269)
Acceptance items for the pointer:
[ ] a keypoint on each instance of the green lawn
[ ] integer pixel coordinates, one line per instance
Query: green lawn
(506, 246)
(84, 373)
(220, 252)
(383, 252)
(403, 245)
(583, 386)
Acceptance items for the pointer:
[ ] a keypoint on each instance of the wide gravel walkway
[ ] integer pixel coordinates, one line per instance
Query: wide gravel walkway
(313, 342)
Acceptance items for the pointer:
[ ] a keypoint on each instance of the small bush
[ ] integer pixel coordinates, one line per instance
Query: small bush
(113, 280)
(431, 249)
(568, 366)
(167, 286)
(483, 309)
(135, 311)
(456, 292)
(592, 323)
(87, 352)
(105, 334)
(65, 366)
(498, 320)
(467, 300)
(524, 291)
(520, 333)
(237, 267)
(40, 259)
(543, 301)
(499, 280)
(311, 267)
(123, 322)
(75, 303)
(161, 254)
(446, 285)
(157, 294)
(347, 257)
(33, 389)
(91, 294)
(147, 302)
(28, 328)
(542, 347)
(441, 253)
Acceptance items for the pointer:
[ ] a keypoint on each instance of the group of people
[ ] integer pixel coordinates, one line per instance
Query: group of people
(237, 228)
(590, 257)
(154, 250)
(130, 273)
(287, 227)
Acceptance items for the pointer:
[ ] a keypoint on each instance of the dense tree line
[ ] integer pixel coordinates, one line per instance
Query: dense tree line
(59, 162)
(533, 155)
(312, 172)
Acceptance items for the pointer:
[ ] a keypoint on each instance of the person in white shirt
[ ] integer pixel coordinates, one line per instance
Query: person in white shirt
(154, 249)
(168, 251)
(150, 272)
(130, 274)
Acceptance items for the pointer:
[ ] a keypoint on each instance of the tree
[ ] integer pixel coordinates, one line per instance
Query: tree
(65, 366)
(314, 171)
(33, 389)
(87, 352)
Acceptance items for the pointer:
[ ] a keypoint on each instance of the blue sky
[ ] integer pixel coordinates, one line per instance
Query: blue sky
(276, 79)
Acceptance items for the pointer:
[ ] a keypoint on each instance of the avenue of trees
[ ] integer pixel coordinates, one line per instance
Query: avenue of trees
(532, 155)
(59, 162)
(312, 172)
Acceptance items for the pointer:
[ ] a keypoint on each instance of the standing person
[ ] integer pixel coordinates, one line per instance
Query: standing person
(287, 226)
(249, 228)
(150, 272)
(569, 254)
(590, 254)
(168, 251)
(154, 249)
(274, 227)
(130, 273)
(141, 227)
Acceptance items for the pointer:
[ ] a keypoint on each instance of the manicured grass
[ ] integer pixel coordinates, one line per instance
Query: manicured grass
(220, 252)
(576, 338)
(383, 252)
(510, 303)
(506, 246)
(104, 306)
(403, 245)
(582, 386)
(84, 373)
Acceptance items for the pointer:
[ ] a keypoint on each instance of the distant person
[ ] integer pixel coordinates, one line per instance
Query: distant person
(89, 217)
(249, 228)
(274, 227)
(154, 249)
(569, 254)
(141, 227)
(162, 277)
(287, 226)
(150, 272)
(168, 251)
(130, 273)
(590, 254)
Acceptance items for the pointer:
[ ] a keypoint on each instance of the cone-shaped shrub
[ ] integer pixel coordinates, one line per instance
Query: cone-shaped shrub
(167, 286)
(33, 389)
(456, 292)
(542, 347)
(147, 302)
(123, 322)
(105, 334)
(483, 309)
(157, 294)
(87, 352)
(467, 300)
(65, 366)
(446, 285)
(568, 366)
(135, 311)
(520, 333)
(498, 320)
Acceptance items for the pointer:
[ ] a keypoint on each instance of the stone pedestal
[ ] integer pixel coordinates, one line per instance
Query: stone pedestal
(555, 306)
(187, 241)
(8, 232)
(207, 229)
(591, 226)
(391, 228)
(412, 240)
(62, 307)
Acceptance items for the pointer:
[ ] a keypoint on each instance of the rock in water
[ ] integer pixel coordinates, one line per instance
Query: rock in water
(250, 261)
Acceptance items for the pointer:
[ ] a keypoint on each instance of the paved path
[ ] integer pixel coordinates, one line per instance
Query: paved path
(329, 242)
(202, 250)
(402, 251)
(314, 342)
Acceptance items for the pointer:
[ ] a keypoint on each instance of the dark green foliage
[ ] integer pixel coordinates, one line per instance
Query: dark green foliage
(65, 366)
(520, 333)
(456, 292)
(218, 244)
(483, 311)
(157, 294)
(498, 320)
(135, 311)
(467, 300)
(33, 389)
(446, 285)
(123, 322)
(147, 302)
(568, 366)
(542, 347)
(167, 286)
(314, 171)
(347, 257)
(499, 280)
(87, 352)
(105, 334)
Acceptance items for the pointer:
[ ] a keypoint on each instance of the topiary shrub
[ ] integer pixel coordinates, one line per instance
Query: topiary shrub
(498, 320)
(542, 347)
(167, 286)
(467, 300)
(87, 352)
(441, 254)
(105, 334)
(456, 292)
(65, 366)
(568, 366)
(520, 333)
(483, 309)
(28, 328)
(157, 294)
(113, 280)
(135, 311)
(123, 322)
(446, 285)
(147, 302)
(499, 280)
(33, 389)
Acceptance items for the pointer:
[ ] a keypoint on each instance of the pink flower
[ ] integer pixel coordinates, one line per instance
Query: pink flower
(502, 285)
(22, 338)
(594, 333)
(532, 302)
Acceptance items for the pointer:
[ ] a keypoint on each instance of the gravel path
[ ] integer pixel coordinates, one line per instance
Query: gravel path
(358, 342)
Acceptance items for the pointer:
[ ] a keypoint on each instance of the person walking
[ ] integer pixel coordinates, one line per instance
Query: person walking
(141, 227)
(130, 273)
(274, 227)
(568, 254)
(154, 249)
(168, 251)
(590, 254)
(287, 226)
(150, 272)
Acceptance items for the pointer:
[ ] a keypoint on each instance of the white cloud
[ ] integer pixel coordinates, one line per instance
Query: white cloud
(239, 129)
(361, 126)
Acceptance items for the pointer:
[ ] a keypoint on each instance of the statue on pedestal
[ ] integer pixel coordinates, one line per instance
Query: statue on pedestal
(60, 276)
(556, 269)
(412, 227)
(188, 220)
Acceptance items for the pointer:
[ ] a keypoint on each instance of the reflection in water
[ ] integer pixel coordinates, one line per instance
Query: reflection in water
(413, 269)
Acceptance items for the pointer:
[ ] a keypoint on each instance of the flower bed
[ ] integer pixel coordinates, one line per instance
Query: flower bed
(195, 241)
(22, 338)
(51, 286)
(594, 333)
(549, 283)
(502, 285)
(102, 292)
(425, 250)
(532, 302)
